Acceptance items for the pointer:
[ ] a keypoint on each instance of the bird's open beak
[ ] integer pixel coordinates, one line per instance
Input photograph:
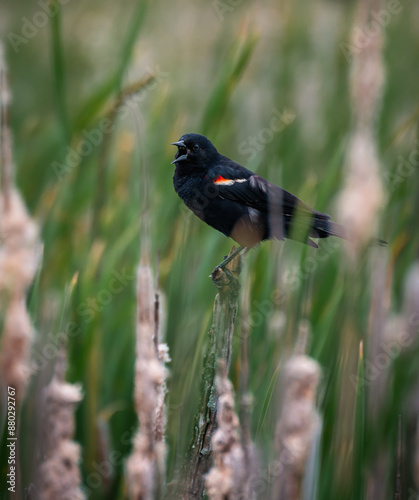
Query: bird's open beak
(179, 144)
(182, 149)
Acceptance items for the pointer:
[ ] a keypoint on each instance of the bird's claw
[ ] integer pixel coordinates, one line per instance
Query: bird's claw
(222, 277)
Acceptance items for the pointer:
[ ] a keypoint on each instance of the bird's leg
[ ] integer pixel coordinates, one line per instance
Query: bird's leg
(215, 275)
(229, 258)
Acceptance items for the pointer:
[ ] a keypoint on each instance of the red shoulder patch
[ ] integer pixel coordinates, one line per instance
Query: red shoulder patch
(221, 180)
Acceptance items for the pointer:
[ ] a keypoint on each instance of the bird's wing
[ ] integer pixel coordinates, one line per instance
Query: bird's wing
(256, 192)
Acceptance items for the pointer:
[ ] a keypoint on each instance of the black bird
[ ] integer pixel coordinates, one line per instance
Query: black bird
(239, 203)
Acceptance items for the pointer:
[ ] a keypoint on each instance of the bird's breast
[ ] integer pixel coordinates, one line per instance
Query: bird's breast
(194, 192)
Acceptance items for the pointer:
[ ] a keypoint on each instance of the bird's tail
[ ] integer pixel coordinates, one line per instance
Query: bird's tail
(322, 228)
(336, 229)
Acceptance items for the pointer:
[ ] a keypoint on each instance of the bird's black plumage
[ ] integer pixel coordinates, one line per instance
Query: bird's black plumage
(239, 203)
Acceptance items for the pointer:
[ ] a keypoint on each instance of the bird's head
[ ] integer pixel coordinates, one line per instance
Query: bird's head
(194, 151)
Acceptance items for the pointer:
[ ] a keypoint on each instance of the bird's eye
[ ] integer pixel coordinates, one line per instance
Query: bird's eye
(196, 147)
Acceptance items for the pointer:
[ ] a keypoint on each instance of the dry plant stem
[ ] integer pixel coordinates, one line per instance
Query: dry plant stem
(378, 386)
(59, 474)
(363, 177)
(228, 479)
(377, 323)
(199, 457)
(363, 188)
(145, 466)
(19, 255)
(298, 425)
(19, 252)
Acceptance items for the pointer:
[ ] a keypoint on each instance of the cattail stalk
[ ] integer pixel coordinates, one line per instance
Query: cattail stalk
(363, 179)
(59, 475)
(145, 466)
(363, 188)
(19, 256)
(228, 478)
(298, 425)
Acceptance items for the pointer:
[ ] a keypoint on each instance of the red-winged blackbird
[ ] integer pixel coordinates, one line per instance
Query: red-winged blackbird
(239, 203)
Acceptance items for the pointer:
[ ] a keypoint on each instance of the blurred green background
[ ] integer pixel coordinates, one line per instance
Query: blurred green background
(95, 173)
